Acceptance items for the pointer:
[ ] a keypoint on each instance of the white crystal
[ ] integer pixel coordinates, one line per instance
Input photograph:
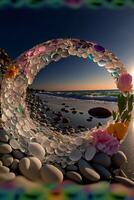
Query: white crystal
(53, 145)
(4, 118)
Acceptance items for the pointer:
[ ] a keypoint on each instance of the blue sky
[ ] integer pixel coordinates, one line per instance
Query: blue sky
(21, 29)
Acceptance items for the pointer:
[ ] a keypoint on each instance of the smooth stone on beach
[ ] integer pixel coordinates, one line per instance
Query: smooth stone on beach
(7, 176)
(3, 136)
(72, 168)
(74, 112)
(102, 159)
(81, 113)
(74, 176)
(90, 152)
(25, 183)
(104, 173)
(29, 167)
(7, 160)
(17, 154)
(75, 155)
(24, 165)
(87, 171)
(15, 165)
(100, 112)
(65, 120)
(35, 149)
(60, 168)
(5, 148)
(4, 169)
(124, 181)
(51, 174)
(119, 159)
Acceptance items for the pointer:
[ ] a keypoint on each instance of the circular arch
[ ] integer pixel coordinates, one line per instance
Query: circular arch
(15, 115)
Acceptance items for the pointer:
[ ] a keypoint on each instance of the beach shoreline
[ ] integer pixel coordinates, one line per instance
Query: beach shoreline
(55, 104)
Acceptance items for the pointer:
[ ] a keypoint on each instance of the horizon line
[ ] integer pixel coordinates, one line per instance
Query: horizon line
(72, 90)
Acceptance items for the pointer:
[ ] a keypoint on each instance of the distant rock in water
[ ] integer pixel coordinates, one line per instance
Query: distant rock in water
(74, 111)
(100, 112)
(65, 120)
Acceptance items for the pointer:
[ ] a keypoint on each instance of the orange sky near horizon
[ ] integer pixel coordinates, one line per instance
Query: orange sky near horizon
(68, 87)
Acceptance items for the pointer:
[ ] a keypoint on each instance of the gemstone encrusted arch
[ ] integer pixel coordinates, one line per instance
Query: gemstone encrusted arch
(15, 114)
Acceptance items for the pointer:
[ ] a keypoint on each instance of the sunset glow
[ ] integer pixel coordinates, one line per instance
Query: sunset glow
(69, 87)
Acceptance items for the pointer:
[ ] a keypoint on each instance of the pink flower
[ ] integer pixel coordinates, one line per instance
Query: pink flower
(105, 142)
(125, 82)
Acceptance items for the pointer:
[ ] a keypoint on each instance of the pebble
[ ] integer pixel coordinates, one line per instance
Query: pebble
(100, 112)
(3, 136)
(5, 148)
(7, 176)
(89, 120)
(24, 183)
(7, 160)
(17, 154)
(72, 168)
(36, 150)
(65, 120)
(81, 113)
(90, 152)
(51, 174)
(87, 171)
(119, 159)
(4, 169)
(14, 166)
(124, 181)
(74, 176)
(74, 112)
(105, 174)
(102, 159)
(75, 155)
(30, 167)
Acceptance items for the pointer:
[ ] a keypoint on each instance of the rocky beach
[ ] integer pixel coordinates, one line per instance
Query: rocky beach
(68, 116)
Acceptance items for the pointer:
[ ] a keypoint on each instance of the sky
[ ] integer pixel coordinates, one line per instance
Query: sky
(21, 29)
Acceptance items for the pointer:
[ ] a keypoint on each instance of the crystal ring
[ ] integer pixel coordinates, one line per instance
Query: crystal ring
(59, 148)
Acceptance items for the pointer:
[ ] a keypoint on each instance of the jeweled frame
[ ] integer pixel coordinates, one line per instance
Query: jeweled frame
(15, 114)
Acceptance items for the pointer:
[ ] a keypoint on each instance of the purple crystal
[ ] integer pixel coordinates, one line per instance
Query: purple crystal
(99, 48)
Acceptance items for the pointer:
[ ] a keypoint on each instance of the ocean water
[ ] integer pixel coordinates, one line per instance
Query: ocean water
(105, 95)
